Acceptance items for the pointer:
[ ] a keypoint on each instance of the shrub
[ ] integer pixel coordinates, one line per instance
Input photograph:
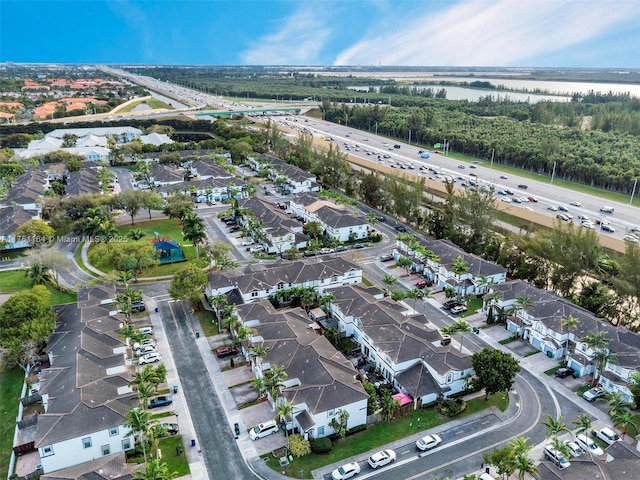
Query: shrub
(356, 429)
(321, 445)
(451, 408)
(298, 446)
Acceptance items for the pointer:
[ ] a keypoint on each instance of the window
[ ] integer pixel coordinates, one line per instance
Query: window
(280, 286)
(47, 451)
(449, 377)
(331, 413)
(113, 431)
(321, 431)
(86, 442)
(126, 444)
(106, 450)
(254, 294)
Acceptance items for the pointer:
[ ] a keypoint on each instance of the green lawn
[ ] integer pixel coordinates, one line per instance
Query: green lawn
(175, 463)
(383, 433)
(208, 322)
(154, 103)
(473, 306)
(11, 380)
(13, 281)
(167, 228)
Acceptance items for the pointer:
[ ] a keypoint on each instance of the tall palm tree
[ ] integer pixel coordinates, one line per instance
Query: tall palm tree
(560, 446)
(284, 411)
(258, 352)
(555, 426)
(389, 280)
(460, 266)
(38, 273)
(124, 277)
(326, 299)
(274, 380)
(571, 323)
(258, 383)
(218, 302)
(461, 327)
(414, 294)
(617, 403)
(602, 358)
(147, 375)
(524, 465)
(519, 446)
(155, 469)
(139, 421)
(583, 423)
(523, 302)
(145, 391)
(193, 230)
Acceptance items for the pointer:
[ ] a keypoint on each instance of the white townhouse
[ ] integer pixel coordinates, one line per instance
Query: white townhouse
(85, 391)
(119, 134)
(405, 349)
(321, 382)
(210, 190)
(257, 282)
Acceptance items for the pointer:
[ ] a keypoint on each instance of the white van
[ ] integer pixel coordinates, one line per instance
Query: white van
(558, 459)
(588, 445)
(607, 209)
(263, 429)
(607, 435)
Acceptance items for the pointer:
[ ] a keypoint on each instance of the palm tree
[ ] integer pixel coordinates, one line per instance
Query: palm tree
(571, 323)
(618, 404)
(405, 263)
(597, 342)
(155, 469)
(258, 352)
(284, 412)
(555, 426)
(389, 280)
(258, 383)
(308, 296)
(461, 327)
(244, 333)
(339, 422)
(148, 375)
(274, 380)
(560, 446)
(218, 302)
(583, 423)
(414, 294)
(38, 273)
(145, 391)
(193, 230)
(124, 277)
(524, 465)
(602, 358)
(523, 302)
(483, 283)
(628, 423)
(226, 263)
(139, 421)
(388, 405)
(460, 266)
(519, 446)
(326, 299)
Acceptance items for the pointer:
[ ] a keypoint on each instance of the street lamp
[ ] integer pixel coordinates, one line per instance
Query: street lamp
(635, 184)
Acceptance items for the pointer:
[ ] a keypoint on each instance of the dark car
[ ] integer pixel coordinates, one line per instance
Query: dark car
(137, 307)
(386, 258)
(226, 351)
(226, 219)
(565, 372)
(341, 248)
(171, 428)
(160, 402)
(358, 246)
(449, 304)
(230, 222)
(401, 228)
(523, 186)
(380, 218)
(422, 283)
(396, 146)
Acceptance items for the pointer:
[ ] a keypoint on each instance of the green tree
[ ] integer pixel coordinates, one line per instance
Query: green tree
(139, 421)
(617, 403)
(298, 446)
(404, 262)
(151, 200)
(36, 232)
(627, 422)
(131, 201)
(460, 266)
(495, 371)
(583, 423)
(284, 413)
(38, 273)
(313, 229)
(373, 403)
(132, 256)
(274, 380)
(339, 422)
(597, 343)
(188, 283)
(178, 205)
(218, 302)
(53, 260)
(388, 405)
(503, 459)
(554, 426)
(193, 230)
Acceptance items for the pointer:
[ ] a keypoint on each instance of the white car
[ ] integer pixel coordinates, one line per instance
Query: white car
(575, 203)
(574, 448)
(428, 442)
(149, 358)
(506, 199)
(145, 350)
(382, 458)
(553, 208)
(144, 343)
(588, 445)
(246, 243)
(607, 435)
(346, 471)
(631, 239)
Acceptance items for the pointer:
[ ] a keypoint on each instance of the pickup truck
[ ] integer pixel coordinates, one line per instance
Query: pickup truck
(226, 352)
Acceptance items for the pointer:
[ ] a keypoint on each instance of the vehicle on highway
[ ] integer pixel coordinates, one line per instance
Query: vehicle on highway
(588, 445)
(400, 228)
(424, 155)
(428, 442)
(575, 203)
(566, 372)
(503, 177)
(574, 448)
(226, 351)
(607, 209)
(631, 239)
(562, 208)
(588, 225)
(593, 394)
(607, 435)
(382, 458)
(396, 146)
(558, 459)
(516, 200)
(461, 167)
(506, 199)
(263, 429)
(162, 401)
(635, 229)
(553, 208)
(508, 192)
(523, 186)
(532, 199)
(149, 358)
(605, 227)
(346, 471)
(564, 217)
(387, 257)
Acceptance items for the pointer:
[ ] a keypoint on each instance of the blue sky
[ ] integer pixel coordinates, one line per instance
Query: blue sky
(573, 33)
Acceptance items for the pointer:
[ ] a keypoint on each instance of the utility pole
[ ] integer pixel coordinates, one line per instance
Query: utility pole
(409, 136)
(633, 192)
(493, 151)
(553, 173)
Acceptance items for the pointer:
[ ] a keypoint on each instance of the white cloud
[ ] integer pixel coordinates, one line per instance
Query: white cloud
(500, 32)
(298, 40)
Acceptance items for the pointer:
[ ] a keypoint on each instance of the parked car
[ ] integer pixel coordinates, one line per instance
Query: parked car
(566, 372)
(428, 442)
(149, 358)
(607, 435)
(358, 246)
(162, 401)
(234, 229)
(171, 428)
(401, 228)
(246, 243)
(382, 458)
(631, 239)
(263, 429)
(458, 309)
(324, 251)
(574, 448)
(593, 394)
(341, 248)
(423, 283)
(226, 351)
(256, 249)
(387, 257)
(137, 307)
(145, 350)
(144, 343)
(588, 445)
(558, 459)
(146, 330)
(346, 471)
(450, 304)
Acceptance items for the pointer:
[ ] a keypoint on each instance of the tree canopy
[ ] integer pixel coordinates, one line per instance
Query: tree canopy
(495, 371)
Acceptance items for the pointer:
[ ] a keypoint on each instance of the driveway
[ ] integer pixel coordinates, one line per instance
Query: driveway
(261, 413)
